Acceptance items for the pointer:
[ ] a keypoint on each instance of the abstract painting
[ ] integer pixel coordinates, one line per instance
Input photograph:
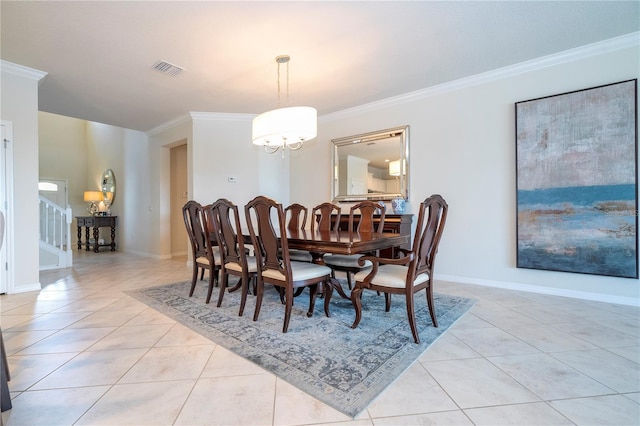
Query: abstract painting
(576, 167)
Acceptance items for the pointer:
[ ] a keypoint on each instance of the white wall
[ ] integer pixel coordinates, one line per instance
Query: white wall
(63, 155)
(19, 101)
(124, 151)
(222, 149)
(462, 139)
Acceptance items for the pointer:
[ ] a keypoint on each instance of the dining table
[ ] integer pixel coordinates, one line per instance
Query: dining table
(319, 243)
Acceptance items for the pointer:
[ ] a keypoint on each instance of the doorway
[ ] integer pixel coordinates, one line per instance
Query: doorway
(179, 196)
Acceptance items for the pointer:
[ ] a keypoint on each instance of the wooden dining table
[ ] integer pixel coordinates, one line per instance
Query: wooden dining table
(342, 242)
(318, 243)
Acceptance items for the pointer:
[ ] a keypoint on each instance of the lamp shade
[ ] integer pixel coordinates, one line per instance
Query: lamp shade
(287, 126)
(92, 196)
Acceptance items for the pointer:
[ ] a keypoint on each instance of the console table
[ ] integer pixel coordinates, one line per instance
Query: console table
(96, 222)
(398, 223)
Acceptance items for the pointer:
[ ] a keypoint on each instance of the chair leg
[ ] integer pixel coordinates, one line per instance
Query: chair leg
(212, 279)
(259, 292)
(349, 279)
(327, 293)
(223, 286)
(412, 317)
(313, 291)
(202, 274)
(387, 302)
(194, 278)
(432, 308)
(356, 300)
(245, 283)
(287, 307)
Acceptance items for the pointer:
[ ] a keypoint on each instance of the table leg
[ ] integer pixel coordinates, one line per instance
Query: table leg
(79, 237)
(317, 258)
(113, 237)
(86, 233)
(96, 234)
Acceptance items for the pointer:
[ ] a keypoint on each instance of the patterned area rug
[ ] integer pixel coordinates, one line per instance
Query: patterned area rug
(322, 356)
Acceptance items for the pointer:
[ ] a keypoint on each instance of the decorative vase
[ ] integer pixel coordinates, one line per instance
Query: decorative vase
(398, 205)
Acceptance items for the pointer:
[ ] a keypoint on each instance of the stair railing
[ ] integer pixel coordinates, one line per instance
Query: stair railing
(55, 227)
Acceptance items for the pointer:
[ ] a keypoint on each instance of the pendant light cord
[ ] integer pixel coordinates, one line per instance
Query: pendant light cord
(280, 60)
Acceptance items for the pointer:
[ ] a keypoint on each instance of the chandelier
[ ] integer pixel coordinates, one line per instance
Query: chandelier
(287, 127)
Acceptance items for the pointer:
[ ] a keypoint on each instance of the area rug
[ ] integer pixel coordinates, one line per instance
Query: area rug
(324, 357)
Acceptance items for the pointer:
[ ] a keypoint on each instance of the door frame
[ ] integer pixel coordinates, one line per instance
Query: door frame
(6, 206)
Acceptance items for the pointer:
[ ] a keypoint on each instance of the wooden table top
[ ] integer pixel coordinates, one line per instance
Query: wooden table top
(343, 242)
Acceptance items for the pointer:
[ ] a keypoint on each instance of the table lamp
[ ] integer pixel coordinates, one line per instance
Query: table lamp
(92, 197)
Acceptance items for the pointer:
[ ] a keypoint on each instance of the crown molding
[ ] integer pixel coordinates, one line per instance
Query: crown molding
(582, 52)
(195, 115)
(184, 118)
(220, 116)
(21, 70)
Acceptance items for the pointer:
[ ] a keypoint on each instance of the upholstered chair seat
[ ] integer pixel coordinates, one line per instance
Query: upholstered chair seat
(392, 276)
(300, 271)
(216, 257)
(346, 261)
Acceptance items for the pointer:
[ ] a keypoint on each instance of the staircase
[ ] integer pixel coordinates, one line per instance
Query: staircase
(55, 236)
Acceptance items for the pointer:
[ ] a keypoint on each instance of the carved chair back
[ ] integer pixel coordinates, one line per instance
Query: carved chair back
(297, 216)
(323, 214)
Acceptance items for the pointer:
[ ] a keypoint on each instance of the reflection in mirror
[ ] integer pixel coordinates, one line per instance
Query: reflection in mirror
(108, 188)
(371, 166)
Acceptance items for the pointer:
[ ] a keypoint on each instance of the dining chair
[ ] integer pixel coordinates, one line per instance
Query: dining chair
(206, 256)
(296, 218)
(322, 216)
(266, 222)
(412, 272)
(234, 259)
(348, 263)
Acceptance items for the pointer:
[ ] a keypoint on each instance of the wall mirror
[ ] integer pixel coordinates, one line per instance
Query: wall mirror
(371, 166)
(108, 187)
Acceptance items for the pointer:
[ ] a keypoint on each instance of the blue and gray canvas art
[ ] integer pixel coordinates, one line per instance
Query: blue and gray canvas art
(576, 182)
(588, 229)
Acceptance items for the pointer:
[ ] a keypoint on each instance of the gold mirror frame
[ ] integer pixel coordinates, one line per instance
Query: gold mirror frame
(361, 163)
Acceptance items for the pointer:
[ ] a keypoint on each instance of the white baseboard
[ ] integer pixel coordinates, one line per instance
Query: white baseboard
(619, 300)
(25, 288)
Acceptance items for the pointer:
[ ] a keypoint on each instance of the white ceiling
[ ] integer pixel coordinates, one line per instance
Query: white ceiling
(99, 54)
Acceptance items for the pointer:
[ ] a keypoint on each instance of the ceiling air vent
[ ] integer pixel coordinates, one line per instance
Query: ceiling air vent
(167, 68)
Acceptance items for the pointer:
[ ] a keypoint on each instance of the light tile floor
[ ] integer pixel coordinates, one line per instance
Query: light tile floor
(82, 352)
